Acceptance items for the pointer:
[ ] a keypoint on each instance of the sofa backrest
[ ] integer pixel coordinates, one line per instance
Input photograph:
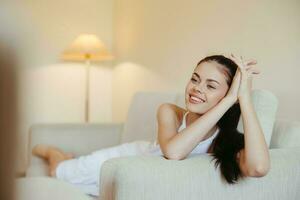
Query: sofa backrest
(141, 122)
(286, 134)
(265, 104)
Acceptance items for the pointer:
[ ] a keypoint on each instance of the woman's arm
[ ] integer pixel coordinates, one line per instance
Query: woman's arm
(254, 158)
(180, 145)
(255, 155)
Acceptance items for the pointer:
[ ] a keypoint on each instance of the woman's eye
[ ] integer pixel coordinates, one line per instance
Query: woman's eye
(209, 86)
(193, 79)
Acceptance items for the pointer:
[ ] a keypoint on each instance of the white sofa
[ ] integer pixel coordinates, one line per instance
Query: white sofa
(154, 177)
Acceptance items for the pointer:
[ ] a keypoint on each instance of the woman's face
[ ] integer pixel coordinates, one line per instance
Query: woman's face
(208, 83)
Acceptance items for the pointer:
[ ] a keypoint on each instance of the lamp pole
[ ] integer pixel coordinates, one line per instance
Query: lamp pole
(86, 48)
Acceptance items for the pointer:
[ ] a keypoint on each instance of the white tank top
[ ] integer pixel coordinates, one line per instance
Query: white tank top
(201, 148)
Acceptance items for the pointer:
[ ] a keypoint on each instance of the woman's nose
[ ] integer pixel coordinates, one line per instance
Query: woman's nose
(199, 88)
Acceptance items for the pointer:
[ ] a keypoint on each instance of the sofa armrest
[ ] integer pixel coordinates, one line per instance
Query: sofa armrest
(154, 177)
(79, 139)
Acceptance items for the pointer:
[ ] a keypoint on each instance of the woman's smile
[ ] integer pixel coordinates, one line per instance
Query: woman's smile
(195, 100)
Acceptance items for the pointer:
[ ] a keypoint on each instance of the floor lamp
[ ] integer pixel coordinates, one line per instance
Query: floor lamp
(86, 48)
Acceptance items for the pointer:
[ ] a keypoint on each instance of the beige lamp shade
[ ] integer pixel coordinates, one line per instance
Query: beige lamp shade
(86, 47)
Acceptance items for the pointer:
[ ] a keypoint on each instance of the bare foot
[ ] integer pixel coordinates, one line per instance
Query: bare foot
(53, 155)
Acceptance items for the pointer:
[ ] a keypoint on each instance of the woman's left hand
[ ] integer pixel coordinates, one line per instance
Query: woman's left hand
(248, 69)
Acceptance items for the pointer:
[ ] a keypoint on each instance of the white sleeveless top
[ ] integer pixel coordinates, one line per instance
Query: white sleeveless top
(201, 148)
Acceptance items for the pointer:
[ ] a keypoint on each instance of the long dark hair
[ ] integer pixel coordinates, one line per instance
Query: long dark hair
(229, 140)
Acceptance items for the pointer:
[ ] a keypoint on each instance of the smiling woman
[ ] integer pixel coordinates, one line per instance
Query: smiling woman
(215, 95)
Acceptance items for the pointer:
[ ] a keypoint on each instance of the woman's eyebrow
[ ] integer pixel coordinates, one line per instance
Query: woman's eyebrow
(212, 80)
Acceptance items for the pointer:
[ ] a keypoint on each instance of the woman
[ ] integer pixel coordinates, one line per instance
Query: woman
(217, 93)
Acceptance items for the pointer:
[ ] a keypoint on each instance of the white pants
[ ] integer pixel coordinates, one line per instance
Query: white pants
(84, 172)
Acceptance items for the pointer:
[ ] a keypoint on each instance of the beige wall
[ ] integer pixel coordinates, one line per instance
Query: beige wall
(159, 43)
(52, 91)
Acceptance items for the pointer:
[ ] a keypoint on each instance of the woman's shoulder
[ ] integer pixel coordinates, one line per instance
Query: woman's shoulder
(173, 109)
(169, 113)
